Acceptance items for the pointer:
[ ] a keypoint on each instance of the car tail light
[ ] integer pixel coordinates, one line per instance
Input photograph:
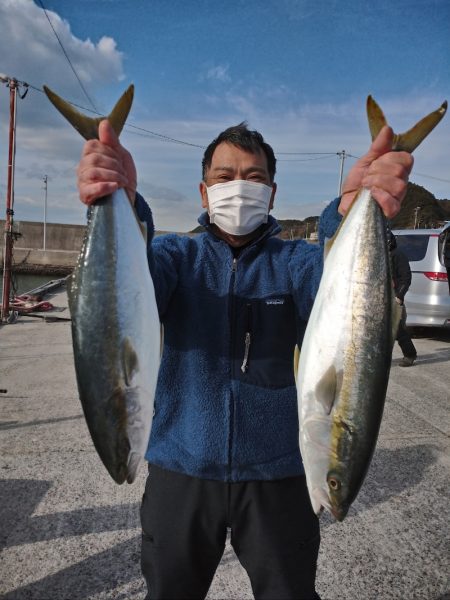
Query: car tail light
(436, 276)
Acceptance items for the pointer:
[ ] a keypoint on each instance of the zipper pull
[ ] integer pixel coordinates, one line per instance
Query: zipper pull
(248, 339)
(244, 366)
(234, 265)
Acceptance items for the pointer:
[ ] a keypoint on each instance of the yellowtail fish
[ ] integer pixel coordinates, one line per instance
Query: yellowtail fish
(115, 323)
(346, 353)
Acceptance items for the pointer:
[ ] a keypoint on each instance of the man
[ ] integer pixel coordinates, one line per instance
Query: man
(223, 452)
(401, 275)
(444, 242)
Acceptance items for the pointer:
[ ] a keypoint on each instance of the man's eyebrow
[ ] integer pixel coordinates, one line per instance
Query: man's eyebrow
(221, 168)
(228, 168)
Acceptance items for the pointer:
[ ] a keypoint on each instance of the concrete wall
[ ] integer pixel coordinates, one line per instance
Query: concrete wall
(62, 246)
(58, 236)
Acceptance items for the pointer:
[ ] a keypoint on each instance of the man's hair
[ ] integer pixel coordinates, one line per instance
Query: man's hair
(241, 136)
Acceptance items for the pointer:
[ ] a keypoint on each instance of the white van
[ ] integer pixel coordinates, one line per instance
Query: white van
(428, 299)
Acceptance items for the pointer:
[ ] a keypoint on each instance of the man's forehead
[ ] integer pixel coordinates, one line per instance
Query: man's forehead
(233, 152)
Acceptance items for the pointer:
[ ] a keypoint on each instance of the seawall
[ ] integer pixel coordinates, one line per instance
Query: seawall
(62, 246)
(63, 243)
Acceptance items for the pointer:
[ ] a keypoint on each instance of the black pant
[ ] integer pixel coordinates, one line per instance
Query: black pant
(404, 339)
(274, 533)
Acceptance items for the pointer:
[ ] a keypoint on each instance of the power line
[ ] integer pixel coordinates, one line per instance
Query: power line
(166, 138)
(431, 177)
(308, 153)
(325, 155)
(67, 56)
(161, 136)
(415, 172)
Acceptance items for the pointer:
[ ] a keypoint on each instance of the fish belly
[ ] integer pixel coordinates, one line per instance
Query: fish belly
(116, 336)
(345, 359)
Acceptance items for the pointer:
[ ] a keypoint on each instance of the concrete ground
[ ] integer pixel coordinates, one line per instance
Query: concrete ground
(67, 531)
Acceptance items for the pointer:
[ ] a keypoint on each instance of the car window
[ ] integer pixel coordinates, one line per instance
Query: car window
(414, 246)
(444, 247)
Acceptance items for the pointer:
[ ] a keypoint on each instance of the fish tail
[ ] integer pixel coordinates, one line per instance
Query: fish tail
(409, 140)
(88, 126)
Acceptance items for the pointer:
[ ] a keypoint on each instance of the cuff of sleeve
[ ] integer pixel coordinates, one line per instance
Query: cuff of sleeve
(144, 214)
(329, 220)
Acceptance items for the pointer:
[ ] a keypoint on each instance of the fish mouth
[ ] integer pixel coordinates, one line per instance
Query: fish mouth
(339, 512)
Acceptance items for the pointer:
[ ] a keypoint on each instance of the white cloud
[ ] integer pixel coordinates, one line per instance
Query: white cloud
(169, 173)
(30, 51)
(220, 73)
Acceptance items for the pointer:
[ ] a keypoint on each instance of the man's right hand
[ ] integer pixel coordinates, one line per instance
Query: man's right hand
(105, 166)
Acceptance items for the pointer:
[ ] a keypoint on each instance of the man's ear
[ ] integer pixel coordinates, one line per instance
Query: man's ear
(204, 195)
(272, 197)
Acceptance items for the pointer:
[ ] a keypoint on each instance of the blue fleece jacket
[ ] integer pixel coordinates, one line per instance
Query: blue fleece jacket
(226, 402)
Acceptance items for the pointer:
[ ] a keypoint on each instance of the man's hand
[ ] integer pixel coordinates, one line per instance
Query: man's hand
(382, 171)
(105, 166)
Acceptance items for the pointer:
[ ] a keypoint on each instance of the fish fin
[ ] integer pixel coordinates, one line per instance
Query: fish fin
(142, 226)
(409, 140)
(375, 116)
(328, 244)
(119, 113)
(88, 126)
(319, 500)
(134, 462)
(326, 389)
(130, 362)
(296, 361)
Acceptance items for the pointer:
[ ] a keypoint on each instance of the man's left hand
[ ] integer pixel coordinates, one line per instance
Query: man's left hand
(382, 171)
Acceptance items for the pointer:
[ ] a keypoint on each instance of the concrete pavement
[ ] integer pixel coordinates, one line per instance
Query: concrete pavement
(69, 532)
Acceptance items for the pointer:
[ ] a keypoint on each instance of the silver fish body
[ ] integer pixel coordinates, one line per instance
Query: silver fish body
(116, 336)
(345, 359)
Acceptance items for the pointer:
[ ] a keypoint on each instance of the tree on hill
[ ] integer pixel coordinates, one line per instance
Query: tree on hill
(420, 210)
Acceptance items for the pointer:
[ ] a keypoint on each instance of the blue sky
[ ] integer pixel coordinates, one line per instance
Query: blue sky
(297, 70)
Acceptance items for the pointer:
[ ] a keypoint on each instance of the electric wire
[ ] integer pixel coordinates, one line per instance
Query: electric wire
(165, 138)
(415, 172)
(67, 56)
(325, 156)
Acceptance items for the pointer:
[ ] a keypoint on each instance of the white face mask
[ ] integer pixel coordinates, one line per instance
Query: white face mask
(239, 207)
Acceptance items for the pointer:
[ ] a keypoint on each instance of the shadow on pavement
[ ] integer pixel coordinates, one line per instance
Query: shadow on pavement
(440, 334)
(100, 573)
(391, 472)
(103, 571)
(439, 355)
(20, 497)
(18, 424)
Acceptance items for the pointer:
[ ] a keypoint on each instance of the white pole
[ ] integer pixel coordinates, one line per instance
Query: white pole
(45, 211)
(342, 155)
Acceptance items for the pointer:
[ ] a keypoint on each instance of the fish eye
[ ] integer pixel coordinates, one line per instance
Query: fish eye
(334, 483)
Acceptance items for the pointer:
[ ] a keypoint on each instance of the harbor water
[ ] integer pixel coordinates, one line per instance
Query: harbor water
(24, 282)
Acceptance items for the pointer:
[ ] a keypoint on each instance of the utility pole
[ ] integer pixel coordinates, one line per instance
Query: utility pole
(416, 212)
(45, 210)
(341, 170)
(13, 85)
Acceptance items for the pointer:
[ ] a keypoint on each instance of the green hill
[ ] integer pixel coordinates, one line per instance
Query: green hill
(421, 209)
(419, 204)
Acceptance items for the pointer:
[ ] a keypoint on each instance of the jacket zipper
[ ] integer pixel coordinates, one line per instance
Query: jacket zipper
(232, 311)
(247, 340)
